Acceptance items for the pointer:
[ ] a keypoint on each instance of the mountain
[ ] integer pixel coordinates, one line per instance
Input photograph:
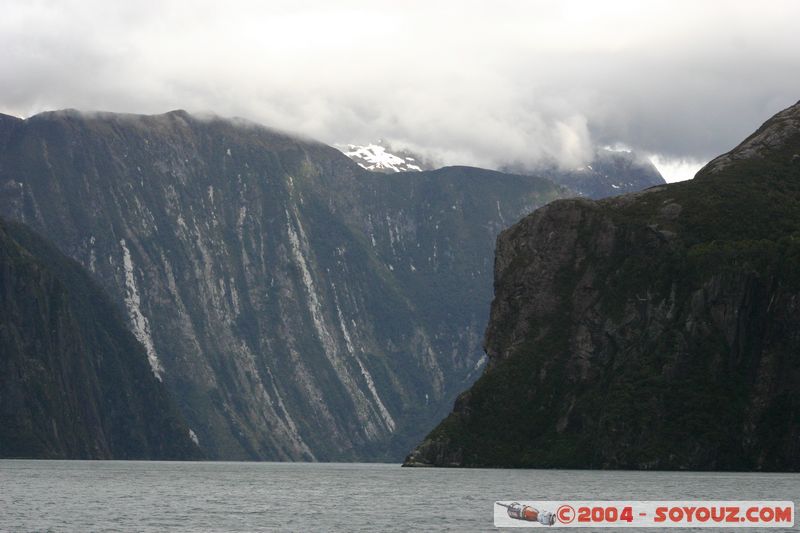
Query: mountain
(297, 306)
(656, 330)
(381, 157)
(74, 382)
(609, 173)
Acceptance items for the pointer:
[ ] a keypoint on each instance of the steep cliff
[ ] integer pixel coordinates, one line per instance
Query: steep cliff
(74, 382)
(656, 330)
(297, 305)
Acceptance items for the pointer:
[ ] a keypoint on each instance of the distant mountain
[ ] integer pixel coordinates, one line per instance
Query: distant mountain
(296, 305)
(380, 157)
(609, 173)
(74, 382)
(656, 330)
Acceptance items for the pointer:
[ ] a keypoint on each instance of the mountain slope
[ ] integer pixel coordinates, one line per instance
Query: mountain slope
(74, 383)
(655, 330)
(298, 306)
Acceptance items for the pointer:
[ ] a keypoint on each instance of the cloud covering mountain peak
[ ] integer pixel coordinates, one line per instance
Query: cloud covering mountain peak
(465, 83)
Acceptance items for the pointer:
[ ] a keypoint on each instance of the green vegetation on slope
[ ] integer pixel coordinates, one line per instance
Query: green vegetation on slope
(74, 382)
(664, 336)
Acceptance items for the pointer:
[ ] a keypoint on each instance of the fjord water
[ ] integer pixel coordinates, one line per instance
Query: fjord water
(216, 496)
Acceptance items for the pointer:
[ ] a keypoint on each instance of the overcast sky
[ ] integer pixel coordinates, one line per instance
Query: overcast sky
(487, 83)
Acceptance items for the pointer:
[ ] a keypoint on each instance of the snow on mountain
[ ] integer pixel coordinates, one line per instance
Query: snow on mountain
(380, 158)
(609, 173)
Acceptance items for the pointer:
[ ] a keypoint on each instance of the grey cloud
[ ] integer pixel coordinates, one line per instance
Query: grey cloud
(486, 83)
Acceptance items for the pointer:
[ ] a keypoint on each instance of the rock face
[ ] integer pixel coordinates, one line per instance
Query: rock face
(297, 306)
(657, 330)
(74, 382)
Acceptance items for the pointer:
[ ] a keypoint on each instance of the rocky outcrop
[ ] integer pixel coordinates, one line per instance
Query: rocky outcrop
(297, 306)
(74, 382)
(773, 137)
(656, 330)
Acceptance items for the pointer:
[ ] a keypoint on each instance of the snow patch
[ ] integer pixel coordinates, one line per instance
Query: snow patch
(375, 157)
(193, 436)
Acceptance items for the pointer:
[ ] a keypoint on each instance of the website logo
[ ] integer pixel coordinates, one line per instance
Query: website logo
(661, 514)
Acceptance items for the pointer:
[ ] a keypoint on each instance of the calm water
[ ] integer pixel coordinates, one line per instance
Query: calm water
(158, 496)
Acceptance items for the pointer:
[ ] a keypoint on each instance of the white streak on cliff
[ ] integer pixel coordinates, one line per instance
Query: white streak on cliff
(326, 338)
(387, 417)
(139, 323)
(92, 255)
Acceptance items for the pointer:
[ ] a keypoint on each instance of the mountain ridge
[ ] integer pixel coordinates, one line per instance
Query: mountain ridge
(301, 307)
(609, 173)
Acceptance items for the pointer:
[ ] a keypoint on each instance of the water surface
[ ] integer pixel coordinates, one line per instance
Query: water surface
(132, 496)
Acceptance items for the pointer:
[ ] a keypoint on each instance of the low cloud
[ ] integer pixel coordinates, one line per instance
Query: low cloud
(484, 83)
(677, 169)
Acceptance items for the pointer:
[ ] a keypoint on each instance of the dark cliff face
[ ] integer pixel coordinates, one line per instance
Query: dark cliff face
(74, 382)
(298, 306)
(657, 330)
